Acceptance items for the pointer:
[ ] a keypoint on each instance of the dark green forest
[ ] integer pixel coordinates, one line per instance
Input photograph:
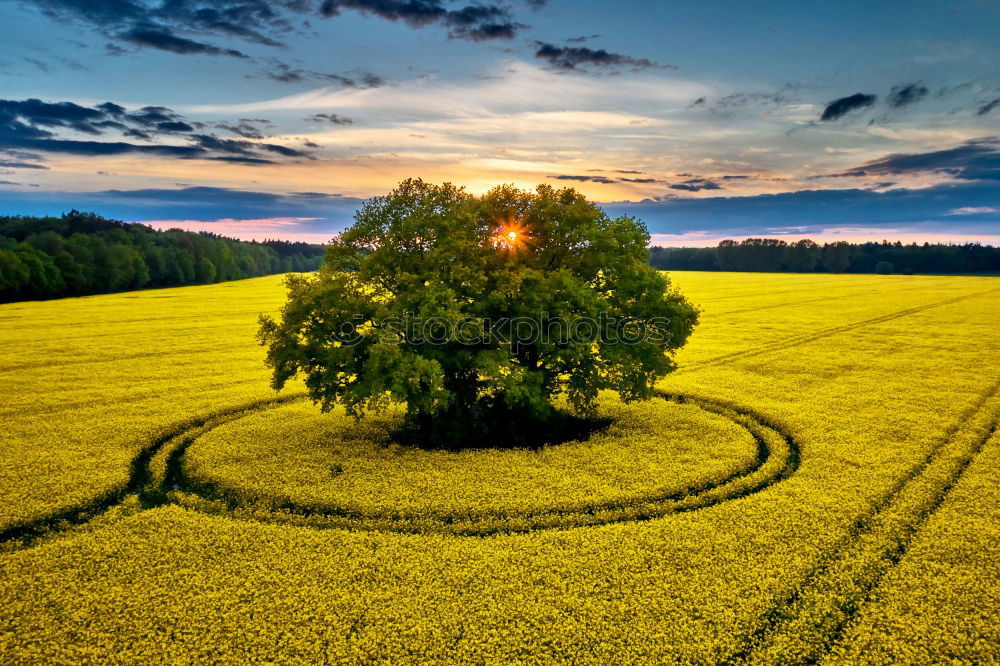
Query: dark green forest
(777, 256)
(82, 253)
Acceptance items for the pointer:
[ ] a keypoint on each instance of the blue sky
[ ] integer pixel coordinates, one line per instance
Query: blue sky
(705, 119)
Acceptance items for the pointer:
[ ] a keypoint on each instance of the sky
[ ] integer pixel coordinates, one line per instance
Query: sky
(706, 120)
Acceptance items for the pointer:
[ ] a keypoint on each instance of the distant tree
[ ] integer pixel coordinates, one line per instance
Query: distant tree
(204, 271)
(883, 268)
(431, 286)
(729, 256)
(14, 274)
(83, 253)
(803, 256)
(837, 256)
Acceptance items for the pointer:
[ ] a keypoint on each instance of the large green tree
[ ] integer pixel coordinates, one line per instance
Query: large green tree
(474, 309)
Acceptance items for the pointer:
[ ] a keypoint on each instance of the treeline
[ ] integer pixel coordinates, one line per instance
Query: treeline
(775, 256)
(82, 253)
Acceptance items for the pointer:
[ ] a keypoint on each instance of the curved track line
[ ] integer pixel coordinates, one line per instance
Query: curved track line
(777, 458)
(23, 534)
(774, 463)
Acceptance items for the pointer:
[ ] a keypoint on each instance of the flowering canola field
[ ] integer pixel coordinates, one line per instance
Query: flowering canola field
(817, 483)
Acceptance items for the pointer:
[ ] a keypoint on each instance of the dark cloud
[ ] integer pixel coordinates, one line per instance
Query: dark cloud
(904, 95)
(165, 40)
(284, 73)
(330, 118)
(585, 179)
(45, 114)
(738, 101)
(248, 128)
(248, 161)
(638, 180)
(578, 57)
(487, 31)
(819, 210)
(157, 25)
(476, 22)
(44, 67)
(182, 26)
(8, 182)
(581, 39)
(174, 127)
(243, 147)
(628, 171)
(974, 160)
(989, 106)
(695, 185)
(32, 124)
(841, 107)
(7, 164)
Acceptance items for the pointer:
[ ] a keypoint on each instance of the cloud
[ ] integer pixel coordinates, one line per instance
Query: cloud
(974, 210)
(30, 124)
(904, 95)
(989, 106)
(813, 211)
(163, 39)
(477, 22)
(581, 39)
(39, 64)
(978, 159)
(7, 164)
(284, 73)
(330, 118)
(585, 179)
(59, 114)
(248, 128)
(574, 58)
(217, 196)
(156, 25)
(737, 101)
(841, 107)
(695, 185)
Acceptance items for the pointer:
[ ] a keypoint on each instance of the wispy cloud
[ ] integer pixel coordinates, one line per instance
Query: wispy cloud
(974, 210)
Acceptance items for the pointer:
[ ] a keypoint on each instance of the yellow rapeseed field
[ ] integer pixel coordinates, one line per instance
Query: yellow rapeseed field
(816, 483)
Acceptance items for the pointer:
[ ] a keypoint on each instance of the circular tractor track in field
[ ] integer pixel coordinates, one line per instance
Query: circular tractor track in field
(164, 479)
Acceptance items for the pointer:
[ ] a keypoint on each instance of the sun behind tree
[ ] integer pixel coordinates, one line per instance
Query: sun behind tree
(479, 313)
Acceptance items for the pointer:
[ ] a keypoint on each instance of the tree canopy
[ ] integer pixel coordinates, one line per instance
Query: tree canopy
(463, 307)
